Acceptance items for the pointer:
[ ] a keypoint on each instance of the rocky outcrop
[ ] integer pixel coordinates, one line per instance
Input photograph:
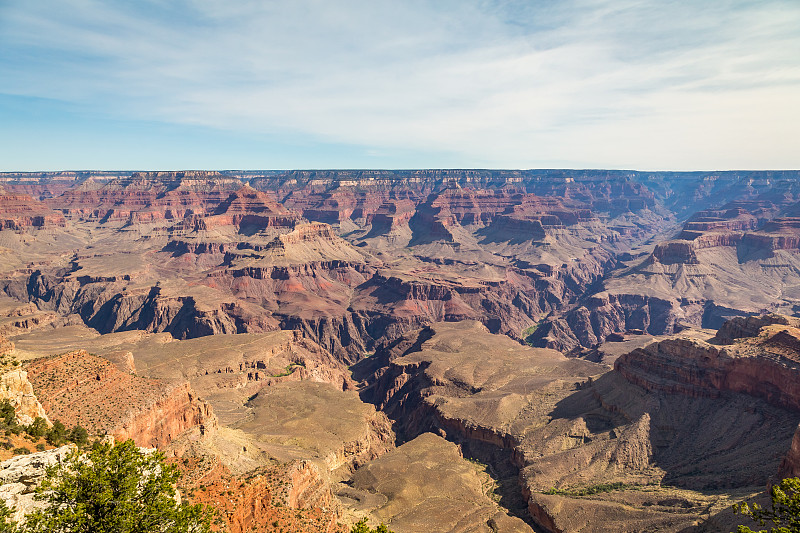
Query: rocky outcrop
(563, 432)
(19, 477)
(439, 491)
(79, 388)
(15, 387)
(674, 252)
(605, 314)
(747, 327)
(147, 197)
(293, 496)
(19, 211)
(767, 367)
(159, 423)
(306, 487)
(104, 305)
(790, 464)
(247, 210)
(346, 432)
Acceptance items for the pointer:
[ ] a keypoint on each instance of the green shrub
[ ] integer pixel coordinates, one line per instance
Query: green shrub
(6, 525)
(79, 435)
(784, 511)
(115, 488)
(362, 527)
(37, 428)
(7, 413)
(56, 435)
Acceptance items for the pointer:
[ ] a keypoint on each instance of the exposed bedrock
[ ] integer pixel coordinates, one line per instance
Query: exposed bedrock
(438, 491)
(107, 305)
(766, 367)
(605, 313)
(20, 211)
(673, 453)
(477, 389)
(296, 495)
(147, 197)
(342, 304)
(346, 432)
(79, 388)
(15, 387)
(745, 327)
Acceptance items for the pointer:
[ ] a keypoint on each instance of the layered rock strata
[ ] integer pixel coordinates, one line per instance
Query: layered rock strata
(79, 388)
(585, 442)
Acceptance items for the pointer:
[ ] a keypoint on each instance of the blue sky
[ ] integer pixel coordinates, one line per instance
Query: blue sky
(157, 84)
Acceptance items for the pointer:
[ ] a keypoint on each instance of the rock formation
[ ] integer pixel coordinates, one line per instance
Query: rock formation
(19, 477)
(15, 387)
(262, 291)
(587, 442)
(19, 211)
(438, 491)
(79, 388)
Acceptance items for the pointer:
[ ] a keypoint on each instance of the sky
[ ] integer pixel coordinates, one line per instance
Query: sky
(241, 84)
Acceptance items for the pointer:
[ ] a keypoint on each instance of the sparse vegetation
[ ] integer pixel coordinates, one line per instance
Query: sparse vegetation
(784, 512)
(8, 362)
(56, 435)
(37, 428)
(7, 413)
(596, 489)
(489, 484)
(527, 332)
(362, 527)
(288, 370)
(6, 525)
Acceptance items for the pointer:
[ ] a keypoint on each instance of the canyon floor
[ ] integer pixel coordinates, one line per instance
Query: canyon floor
(454, 351)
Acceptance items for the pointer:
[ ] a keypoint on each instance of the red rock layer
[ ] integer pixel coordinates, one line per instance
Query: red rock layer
(79, 388)
(768, 367)
(292, 497)
(246, 207)
(18, 211)
(148, 197)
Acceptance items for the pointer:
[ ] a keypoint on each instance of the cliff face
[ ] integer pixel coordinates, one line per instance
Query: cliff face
(725, 262)
(757, 356)
(766, 366)
(547, 424)
(194, 253)
(79, 388)
(19, 211)
(166, 418)
(15, 387)
(147, 197)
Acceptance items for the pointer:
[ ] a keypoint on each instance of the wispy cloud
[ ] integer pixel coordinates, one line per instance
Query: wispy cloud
(621, 83)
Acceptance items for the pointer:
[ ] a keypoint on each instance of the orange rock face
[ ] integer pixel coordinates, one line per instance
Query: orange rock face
(292, 497)
(79, 388)
(147, 197)
(19, 211)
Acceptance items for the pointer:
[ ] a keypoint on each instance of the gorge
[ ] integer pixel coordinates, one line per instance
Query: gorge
(439, 350)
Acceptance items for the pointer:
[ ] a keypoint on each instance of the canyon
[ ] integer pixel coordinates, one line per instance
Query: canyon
(439, 350)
